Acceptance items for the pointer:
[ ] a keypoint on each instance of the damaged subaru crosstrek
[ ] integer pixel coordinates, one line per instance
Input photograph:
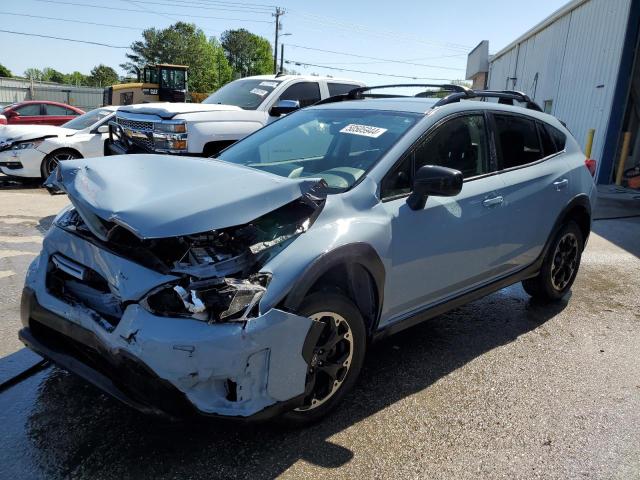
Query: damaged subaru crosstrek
(251, 285)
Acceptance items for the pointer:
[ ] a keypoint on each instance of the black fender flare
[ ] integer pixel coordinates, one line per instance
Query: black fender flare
(353, 256)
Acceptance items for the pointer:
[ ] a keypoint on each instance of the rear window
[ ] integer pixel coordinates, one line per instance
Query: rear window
(517, 141)
(553, 140)
(340, 88)
(57, 110)
(559, 138)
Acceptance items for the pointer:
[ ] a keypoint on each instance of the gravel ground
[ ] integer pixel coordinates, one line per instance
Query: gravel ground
(501, 388)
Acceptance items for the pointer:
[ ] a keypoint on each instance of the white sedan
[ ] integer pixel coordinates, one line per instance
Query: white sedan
(35, 150)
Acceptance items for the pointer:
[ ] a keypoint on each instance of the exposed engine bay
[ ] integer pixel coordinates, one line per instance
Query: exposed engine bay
(218, 270)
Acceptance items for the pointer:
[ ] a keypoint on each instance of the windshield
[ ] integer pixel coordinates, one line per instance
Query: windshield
(246, 94)
(88, 119)
(338, 146)
(7, 107)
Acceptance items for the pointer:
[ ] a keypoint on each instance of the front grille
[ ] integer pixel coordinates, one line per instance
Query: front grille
(135, 124)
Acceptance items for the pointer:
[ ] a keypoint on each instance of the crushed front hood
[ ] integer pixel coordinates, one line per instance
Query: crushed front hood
(170, 110)
(160, 196)
(18, 133)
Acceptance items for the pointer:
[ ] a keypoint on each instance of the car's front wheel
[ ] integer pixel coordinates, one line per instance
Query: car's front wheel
(560, 266)
(51, 161)
(337, 356)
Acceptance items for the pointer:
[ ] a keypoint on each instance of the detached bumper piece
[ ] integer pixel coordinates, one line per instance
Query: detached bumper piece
(114, 370)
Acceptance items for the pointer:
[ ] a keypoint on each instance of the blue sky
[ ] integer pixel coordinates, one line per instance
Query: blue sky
(434, 36)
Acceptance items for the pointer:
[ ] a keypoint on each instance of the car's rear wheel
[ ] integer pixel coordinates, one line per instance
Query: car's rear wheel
(51, 161)
(337, 356)
(560, 266)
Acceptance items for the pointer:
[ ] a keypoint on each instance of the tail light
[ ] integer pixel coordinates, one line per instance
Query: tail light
(3, 120)
(590, 163)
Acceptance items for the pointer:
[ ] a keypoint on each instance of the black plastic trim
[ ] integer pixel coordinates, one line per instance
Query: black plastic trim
(351, 254)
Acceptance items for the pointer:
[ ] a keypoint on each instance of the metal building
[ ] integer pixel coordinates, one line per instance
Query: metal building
(579, 64)
(14, 90)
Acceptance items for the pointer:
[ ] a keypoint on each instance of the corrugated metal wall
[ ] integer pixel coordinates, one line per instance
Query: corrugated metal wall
(16, 90)
(574, 62)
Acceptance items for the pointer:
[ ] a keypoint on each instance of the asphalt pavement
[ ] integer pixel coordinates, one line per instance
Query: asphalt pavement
(501, 388)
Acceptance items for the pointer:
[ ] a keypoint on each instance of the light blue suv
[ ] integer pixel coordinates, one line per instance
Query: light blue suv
(251, 285)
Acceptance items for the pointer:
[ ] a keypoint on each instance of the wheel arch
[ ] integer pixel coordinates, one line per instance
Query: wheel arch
(53, 152)
(579, 211)
(354, 269)
(215, 147)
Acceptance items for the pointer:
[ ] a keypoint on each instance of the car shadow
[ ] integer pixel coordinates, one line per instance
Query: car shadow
(78, 431)
(18, 183)
(622, 232)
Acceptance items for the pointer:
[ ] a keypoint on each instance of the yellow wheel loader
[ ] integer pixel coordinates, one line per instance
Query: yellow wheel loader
(156, 83)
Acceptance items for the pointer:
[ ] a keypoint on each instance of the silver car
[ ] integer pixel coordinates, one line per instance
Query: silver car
(251, 285)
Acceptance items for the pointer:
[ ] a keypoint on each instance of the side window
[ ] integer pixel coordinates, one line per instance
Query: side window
(29, 110)
(461, 144)
(56, 110)
(548, 147)
(307, 93)
(340, 88)
(398, 180)
(516, 140)
(559, 138)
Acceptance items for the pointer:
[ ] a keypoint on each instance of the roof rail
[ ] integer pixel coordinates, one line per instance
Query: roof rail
(358, 93)
(507, 95)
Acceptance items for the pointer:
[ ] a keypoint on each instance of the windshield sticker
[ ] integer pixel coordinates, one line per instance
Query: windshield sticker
(259, 91)
(268, 84)
(364, 130)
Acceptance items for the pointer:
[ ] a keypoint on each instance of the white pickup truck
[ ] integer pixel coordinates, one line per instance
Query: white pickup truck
(231, 113)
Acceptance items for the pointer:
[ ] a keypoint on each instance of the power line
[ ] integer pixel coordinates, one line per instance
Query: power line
(236, 4)
(359, 28)
(404, 62)
(71, 21)
(148, 12)
(328, 67)
(62, 38)
(195, 4)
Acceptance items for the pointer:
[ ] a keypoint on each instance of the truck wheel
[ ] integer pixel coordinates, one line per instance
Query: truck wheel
(560, 266)
(51, 161)
(337, 356)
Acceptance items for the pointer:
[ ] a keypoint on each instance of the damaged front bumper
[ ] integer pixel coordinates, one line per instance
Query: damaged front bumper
(177, 366)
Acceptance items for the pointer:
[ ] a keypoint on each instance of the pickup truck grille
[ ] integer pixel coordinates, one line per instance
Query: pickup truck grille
(135, 124)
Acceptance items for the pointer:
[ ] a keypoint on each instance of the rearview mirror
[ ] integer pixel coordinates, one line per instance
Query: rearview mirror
(103, 129)
(282, 107)
(433, 180)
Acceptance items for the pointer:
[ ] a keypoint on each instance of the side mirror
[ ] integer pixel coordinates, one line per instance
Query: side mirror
(102, 129)
(282, 107)
(434, 180)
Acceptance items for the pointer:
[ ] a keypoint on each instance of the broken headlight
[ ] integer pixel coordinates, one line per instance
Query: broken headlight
(213, 300)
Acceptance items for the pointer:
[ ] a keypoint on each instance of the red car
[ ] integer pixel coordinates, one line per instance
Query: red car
(38, 112)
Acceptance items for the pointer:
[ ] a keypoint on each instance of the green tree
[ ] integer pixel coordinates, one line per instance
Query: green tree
(182, 44)
(33, 73)
(102, 76)
(5, 72)
(76, 78)
(52, 75)
(248, 54)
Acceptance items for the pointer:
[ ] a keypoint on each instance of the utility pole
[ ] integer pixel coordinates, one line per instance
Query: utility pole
(279, 12)
(282, 57)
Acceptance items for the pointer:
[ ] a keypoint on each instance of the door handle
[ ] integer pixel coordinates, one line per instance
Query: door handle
(491, 202)
(560, 184)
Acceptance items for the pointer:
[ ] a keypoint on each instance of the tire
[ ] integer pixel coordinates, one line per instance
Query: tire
(560, 266)
(50, 162)
(323, 395)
